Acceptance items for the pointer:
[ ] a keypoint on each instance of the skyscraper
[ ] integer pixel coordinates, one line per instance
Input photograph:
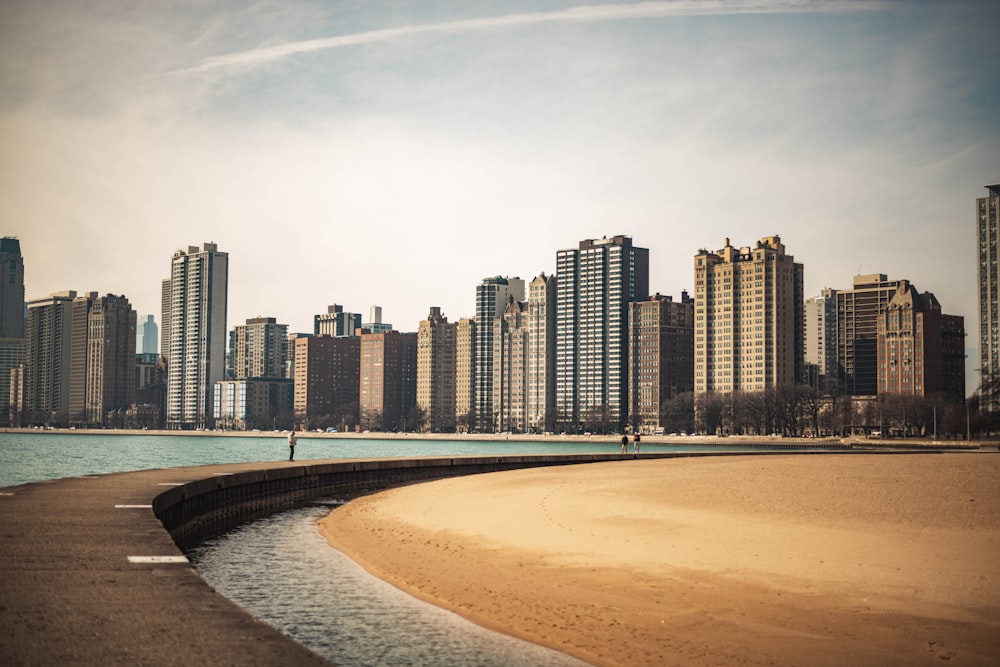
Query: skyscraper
(510, 369)
(257, 393)
(661, 356)
(748, 318)
(196, 314)
(388, 380)
(11, 289)
(148, 337)
(49, 330)
(465, 373)
(858, 310)
(12, 342)
(259, 349)
(436, 371)
(988, 238)
(165, 319)
(542, 353)
(492, 297)
(327, 381)
(596, 282)
(102, 360)
(821, 339)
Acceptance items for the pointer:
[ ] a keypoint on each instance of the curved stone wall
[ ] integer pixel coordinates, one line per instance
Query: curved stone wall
(193, 511)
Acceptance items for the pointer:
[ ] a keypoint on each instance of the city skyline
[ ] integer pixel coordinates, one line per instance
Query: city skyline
(336, 152)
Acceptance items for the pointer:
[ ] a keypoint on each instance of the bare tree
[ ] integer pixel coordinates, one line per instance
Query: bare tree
(708, 412)
(677, 413)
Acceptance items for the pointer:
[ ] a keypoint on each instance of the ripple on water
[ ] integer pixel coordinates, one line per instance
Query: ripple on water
(282, 571)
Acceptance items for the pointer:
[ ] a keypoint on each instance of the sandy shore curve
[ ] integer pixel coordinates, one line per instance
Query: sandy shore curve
(750, 560)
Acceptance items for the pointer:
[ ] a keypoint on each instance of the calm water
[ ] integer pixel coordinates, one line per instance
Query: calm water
(282, 571)
(30, 457)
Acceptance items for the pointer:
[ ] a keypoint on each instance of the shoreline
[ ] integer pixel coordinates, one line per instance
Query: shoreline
(612, 440)
(770, 560)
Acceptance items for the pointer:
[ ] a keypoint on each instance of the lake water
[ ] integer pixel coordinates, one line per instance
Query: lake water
(30, 457)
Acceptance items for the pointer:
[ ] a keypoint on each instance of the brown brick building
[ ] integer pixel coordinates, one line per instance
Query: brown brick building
(919, 349)
(661, 356)
(327, 382)
(388, 391)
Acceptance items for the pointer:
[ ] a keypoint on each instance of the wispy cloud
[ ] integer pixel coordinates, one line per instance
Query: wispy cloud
(580, 14)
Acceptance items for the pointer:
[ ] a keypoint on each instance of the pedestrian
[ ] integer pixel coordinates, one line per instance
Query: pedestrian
(635, 442)
(624, 443)
(291, 446)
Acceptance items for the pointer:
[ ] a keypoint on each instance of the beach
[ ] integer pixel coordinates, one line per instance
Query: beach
(831, 559)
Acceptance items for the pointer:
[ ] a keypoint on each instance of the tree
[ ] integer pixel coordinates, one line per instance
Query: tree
(417, 419)
(811, 403)
(677, 413)
(597, 419)
(708, 411)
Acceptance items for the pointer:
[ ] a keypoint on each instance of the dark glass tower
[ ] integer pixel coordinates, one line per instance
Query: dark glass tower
(11, 289)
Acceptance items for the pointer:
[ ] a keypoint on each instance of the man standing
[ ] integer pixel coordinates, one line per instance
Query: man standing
(291, 446)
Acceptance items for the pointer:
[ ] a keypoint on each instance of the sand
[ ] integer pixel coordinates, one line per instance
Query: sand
(749, 560)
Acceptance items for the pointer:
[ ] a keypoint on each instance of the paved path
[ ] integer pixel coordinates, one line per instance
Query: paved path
(69, 594)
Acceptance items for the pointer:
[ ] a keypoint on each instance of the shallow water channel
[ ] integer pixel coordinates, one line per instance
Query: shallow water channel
(282, 571)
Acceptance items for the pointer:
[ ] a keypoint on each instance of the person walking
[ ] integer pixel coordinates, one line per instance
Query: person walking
(635, 443)
(291, 446)
(624, 443)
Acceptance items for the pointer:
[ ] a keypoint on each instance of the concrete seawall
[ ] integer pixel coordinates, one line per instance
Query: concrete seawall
(216, 504)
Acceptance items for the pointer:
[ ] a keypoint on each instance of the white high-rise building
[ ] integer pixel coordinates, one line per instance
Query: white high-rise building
(196, 339)
(989, 310)
(49, 331)
(821, 339)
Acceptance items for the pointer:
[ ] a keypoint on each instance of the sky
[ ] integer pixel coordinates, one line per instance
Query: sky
(396, 153)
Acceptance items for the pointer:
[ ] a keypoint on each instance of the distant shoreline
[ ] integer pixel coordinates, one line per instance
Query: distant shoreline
(611, 439)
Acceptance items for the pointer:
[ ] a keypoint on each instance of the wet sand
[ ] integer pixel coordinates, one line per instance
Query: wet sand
(751, 560)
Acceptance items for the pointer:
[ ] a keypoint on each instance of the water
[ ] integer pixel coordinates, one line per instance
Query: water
(323, 600)
(30, 457)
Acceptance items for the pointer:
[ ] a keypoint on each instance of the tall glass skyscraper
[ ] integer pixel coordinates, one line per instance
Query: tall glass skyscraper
(148, 338)
(989, 313)
(195, 300)
(12, 343)
(596, 282)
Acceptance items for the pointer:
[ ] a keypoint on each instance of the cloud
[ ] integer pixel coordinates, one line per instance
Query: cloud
(580, 14)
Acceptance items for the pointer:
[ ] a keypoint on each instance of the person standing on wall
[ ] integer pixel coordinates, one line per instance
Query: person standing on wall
(291, 446)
